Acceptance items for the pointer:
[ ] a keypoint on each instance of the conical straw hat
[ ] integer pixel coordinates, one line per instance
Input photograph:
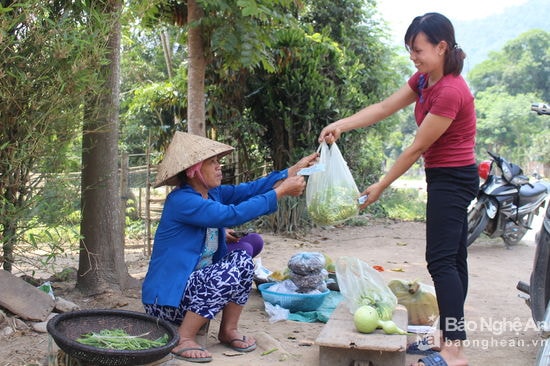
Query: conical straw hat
(184, 151)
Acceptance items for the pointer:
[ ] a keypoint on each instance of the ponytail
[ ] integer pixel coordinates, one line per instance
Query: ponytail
(454, 60)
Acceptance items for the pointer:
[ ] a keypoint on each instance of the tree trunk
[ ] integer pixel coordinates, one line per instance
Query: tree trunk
(101, 262)
(165, 42)
(196, 72)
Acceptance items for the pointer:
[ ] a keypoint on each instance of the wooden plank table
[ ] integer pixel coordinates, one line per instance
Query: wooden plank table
(340, 344)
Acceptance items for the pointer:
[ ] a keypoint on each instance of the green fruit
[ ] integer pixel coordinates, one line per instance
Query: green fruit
(389, 327)
(366, 319)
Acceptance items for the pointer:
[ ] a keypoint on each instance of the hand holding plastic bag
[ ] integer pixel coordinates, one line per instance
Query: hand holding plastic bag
(331, 195)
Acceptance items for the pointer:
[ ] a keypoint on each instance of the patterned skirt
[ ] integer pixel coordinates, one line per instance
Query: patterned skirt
(211, 288)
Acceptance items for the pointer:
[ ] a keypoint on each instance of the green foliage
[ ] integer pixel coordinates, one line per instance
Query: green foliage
(42, 246)
(404, 204)
(58, 203)
(521, 66)
(312, 81)
(292, 103)
(508, 128)
(134, 228)
(47, 66)
(506, 85)
(153, 105)
(276, 75)
(240, 33)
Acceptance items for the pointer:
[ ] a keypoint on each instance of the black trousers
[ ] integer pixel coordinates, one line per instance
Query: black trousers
(450, 191)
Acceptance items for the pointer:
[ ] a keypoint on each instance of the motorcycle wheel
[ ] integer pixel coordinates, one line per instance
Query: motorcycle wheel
(514, 236)
(539, 287)
(477, 221)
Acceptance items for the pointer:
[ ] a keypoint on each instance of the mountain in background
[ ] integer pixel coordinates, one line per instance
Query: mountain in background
(481, 36)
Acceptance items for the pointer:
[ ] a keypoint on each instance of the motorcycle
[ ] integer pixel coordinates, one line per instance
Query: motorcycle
(538, 289)
(506, 202)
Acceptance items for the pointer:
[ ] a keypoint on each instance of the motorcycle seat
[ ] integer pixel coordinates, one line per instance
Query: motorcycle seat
(532, 190)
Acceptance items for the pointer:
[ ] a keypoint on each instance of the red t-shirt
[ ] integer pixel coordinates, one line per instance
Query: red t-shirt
(450, 97)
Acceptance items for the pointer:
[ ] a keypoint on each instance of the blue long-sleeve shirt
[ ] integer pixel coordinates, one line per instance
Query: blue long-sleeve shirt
(181, 233)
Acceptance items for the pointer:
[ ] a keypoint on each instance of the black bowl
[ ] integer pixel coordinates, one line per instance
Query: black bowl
(67, 327)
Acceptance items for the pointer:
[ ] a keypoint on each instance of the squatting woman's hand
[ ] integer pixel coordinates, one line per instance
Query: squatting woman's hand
(303, 163)
(291, 186)
(230, 236)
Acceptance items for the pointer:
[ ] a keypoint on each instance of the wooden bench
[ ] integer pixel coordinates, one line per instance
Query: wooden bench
(340, 344)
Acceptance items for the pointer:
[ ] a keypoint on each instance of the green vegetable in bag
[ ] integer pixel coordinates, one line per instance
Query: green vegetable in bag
(331, 194)
(361, 285)
(335, 204)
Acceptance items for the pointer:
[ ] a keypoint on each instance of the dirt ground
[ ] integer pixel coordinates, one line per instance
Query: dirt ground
(499, 324)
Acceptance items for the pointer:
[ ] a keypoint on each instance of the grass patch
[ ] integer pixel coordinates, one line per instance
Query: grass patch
(404, 204)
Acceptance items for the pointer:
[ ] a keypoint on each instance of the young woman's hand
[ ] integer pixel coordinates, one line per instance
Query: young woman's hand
(330, 134)
(374, 192)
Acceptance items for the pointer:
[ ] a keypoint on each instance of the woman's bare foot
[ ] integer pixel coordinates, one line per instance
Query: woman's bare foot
(189, 349)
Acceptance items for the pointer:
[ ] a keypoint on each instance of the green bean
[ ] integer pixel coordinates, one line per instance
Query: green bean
(118, 339)
(269, 351)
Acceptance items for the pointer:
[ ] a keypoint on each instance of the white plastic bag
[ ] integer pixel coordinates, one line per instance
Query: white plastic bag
(360, 284)
(276, 313)
(331, 195)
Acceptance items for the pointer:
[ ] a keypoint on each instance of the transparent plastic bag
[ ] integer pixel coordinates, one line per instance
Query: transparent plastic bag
(360, 284)
(307, 271)
(305, 263)
(331, 195)
(276, 313)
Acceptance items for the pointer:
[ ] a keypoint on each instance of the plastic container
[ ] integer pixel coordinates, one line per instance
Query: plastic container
(293, 302)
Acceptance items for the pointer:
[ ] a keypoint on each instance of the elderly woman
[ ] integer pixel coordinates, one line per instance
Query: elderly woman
(192, 276)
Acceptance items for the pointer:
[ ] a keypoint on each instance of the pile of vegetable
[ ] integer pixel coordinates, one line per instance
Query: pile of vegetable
(368, 297)
(373, 314)
(118, 339)
(333, 205)
(384, 308)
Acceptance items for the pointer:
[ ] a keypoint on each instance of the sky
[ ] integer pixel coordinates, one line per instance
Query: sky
(400, 13)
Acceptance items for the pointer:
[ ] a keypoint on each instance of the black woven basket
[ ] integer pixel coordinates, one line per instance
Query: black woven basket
(67, 327)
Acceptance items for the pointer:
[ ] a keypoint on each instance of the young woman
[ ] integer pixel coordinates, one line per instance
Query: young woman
(446, 119)
(192, 276)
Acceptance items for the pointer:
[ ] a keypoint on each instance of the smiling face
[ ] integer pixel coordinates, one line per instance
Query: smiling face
(427, 57)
